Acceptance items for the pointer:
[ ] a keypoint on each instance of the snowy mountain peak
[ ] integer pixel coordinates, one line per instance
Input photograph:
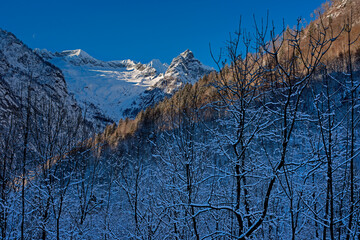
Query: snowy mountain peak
(187, 54)
(77, 56)
(121, 88)
(187, 68)
(158, 65)
(76, 53)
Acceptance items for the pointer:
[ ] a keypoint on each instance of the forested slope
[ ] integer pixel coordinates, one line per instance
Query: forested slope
(266, 148)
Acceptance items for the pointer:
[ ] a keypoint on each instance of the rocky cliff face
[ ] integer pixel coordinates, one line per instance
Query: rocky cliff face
(21, 72)
(183, 69)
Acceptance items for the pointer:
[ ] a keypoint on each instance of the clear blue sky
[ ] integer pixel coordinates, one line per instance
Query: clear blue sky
(140, 30)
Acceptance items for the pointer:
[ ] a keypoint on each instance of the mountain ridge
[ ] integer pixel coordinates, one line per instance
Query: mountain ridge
(121, 88)
(20, 69)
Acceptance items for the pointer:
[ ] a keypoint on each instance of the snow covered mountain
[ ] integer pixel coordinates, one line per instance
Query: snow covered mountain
(184, 69)
(20, 70)
(118, 89)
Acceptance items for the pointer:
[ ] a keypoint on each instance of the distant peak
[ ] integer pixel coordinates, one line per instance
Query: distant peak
(77, 57)
(158, 65)
(186, 68)
(155, 61)
(187, 54)
(76, 52)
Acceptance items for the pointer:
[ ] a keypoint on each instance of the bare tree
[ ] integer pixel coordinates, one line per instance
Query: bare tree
(238, 86)
(353, 120)
(293, 64)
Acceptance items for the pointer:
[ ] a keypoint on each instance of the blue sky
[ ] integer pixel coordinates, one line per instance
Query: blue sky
(141, 30)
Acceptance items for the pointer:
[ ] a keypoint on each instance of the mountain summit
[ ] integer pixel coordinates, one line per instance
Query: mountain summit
(184, 69)
(159, 66)
(119, 89)
(187, 54)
